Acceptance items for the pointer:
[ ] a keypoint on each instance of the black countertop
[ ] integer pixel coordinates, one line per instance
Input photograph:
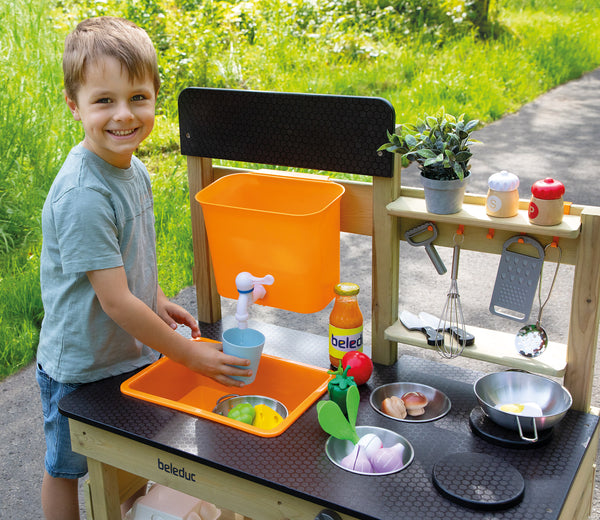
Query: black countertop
(295, 462)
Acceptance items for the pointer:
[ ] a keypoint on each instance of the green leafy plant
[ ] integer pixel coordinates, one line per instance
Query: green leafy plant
(440, 144)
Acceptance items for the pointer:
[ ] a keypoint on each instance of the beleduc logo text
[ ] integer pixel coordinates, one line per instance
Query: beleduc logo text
(174, 470)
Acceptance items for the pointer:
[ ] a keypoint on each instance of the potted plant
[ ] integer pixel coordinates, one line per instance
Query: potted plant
(440, 144)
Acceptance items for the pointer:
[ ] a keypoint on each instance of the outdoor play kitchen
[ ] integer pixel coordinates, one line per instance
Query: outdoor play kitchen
(417, 438)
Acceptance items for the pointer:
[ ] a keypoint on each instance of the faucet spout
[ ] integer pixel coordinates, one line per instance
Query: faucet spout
(250, 289)
(241, 312)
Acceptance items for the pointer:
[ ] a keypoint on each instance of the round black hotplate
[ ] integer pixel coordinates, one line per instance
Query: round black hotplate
(488, 430)
(478, 481)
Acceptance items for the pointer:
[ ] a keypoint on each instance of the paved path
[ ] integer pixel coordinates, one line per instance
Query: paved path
(555, 135)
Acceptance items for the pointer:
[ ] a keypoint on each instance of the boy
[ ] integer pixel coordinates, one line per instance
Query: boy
(105, 313)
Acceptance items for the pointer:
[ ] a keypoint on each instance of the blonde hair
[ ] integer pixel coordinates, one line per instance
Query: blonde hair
(107, 36)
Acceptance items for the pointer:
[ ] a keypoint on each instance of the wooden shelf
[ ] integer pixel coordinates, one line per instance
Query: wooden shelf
(494, 347)
(475, 215)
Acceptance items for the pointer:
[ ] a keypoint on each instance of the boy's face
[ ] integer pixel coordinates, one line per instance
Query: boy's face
(117, 112)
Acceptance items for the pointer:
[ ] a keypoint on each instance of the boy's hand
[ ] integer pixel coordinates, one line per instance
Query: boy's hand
(208, 358)
(172, 314)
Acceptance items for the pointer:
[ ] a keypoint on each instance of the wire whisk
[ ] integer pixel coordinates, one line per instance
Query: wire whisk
(452, 319)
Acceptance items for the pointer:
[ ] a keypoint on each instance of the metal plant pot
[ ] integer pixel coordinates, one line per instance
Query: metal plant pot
(444, 197)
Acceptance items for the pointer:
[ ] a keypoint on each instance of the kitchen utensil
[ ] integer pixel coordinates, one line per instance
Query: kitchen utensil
(460, 334)
(336, 449)
(437, 407)
(532, 340)
(516, 280)
(452, 314)
(413, 322)
(482, 426)
(246, 344)
(410, 236)
(226, 402)
(514, 387)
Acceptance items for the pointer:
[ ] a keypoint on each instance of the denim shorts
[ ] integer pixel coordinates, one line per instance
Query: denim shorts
(61, 461)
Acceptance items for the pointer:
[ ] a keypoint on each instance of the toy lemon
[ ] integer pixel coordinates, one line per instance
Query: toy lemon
(266, 418)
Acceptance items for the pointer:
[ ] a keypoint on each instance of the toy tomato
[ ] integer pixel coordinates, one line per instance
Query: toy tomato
(361, 366)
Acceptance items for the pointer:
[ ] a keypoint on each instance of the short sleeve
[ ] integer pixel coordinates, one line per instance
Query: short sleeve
(86, 230)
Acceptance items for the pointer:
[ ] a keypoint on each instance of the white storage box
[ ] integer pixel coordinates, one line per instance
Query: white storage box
(163, 503)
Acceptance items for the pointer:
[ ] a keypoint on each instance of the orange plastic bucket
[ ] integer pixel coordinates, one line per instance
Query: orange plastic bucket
(285, 226)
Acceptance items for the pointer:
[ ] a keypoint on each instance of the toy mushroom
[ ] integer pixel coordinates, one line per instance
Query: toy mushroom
(394, 407)
(415, 403)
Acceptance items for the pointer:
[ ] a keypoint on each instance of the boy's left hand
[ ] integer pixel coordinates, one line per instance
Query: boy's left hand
(172, 314)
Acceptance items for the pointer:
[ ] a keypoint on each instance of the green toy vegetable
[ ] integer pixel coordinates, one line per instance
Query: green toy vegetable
(243, 412)
(339, 385)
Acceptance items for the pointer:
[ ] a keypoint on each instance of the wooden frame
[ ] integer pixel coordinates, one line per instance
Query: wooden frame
(385, 210)
(577, 238)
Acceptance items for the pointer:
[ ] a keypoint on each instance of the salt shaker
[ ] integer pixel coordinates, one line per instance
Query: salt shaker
(503, 195)
(546, 206)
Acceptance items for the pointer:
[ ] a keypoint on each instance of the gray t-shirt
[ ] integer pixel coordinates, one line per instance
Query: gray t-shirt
(96, 216)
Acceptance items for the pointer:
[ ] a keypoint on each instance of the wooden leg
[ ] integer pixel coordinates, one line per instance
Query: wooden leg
(105, 502)
(230, 515)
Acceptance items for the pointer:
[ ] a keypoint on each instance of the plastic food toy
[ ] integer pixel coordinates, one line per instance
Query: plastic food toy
(243, 412)
(266, 418)
(339, 385)
(361, 366)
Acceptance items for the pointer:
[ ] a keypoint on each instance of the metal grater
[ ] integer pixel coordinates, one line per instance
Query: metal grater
(517, 280)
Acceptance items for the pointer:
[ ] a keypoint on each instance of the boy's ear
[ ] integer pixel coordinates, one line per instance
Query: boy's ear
(73, 108)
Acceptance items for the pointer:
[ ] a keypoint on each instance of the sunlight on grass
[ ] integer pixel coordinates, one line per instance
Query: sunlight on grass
(419, 58)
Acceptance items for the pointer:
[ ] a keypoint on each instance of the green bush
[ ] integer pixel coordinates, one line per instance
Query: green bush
(419, 54)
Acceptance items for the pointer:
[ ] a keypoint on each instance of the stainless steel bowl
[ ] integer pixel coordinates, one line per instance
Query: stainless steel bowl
(438, 405)
(337, 449)
(227, 402)
(510, 387)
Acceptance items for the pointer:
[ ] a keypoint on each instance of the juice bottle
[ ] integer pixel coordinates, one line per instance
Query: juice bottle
(345, 323)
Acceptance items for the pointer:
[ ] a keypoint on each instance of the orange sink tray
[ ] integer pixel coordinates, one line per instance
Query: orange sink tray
(170, 384)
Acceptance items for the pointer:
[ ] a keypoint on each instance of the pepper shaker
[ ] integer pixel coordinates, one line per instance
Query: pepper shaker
(546, 207)
(503, 195)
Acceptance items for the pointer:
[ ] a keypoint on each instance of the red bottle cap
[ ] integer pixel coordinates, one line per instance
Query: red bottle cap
(548, 189)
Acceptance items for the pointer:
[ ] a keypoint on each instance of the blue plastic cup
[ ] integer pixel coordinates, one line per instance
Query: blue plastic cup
(246, 344)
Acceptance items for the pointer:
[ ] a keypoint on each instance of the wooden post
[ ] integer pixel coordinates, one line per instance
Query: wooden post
(385, 267)
(200, 174)
(585, 312)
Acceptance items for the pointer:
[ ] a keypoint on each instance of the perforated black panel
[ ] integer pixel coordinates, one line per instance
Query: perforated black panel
(314, 131)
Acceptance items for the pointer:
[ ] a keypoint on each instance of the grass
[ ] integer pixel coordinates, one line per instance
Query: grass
(419, 55)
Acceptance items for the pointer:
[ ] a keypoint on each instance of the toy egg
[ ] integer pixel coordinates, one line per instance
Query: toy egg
(546, 207)
(503, 195)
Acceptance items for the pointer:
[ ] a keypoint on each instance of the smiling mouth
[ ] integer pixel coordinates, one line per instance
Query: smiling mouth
(122, 133)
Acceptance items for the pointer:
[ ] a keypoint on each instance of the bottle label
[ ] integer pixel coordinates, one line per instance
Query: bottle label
(344, 340)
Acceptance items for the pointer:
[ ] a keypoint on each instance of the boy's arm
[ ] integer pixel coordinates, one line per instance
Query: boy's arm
(136, 318)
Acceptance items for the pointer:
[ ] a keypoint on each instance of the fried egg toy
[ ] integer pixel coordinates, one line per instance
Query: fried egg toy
(526, 409)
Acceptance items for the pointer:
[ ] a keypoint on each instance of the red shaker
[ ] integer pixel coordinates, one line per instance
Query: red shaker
(546, 207)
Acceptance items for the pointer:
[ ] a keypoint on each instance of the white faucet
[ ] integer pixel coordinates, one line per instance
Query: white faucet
(250, 289)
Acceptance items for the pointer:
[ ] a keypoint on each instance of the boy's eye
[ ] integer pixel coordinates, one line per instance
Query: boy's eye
(103, 100)
(138, 97)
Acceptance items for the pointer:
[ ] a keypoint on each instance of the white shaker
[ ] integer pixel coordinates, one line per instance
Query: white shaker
(503, 195)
